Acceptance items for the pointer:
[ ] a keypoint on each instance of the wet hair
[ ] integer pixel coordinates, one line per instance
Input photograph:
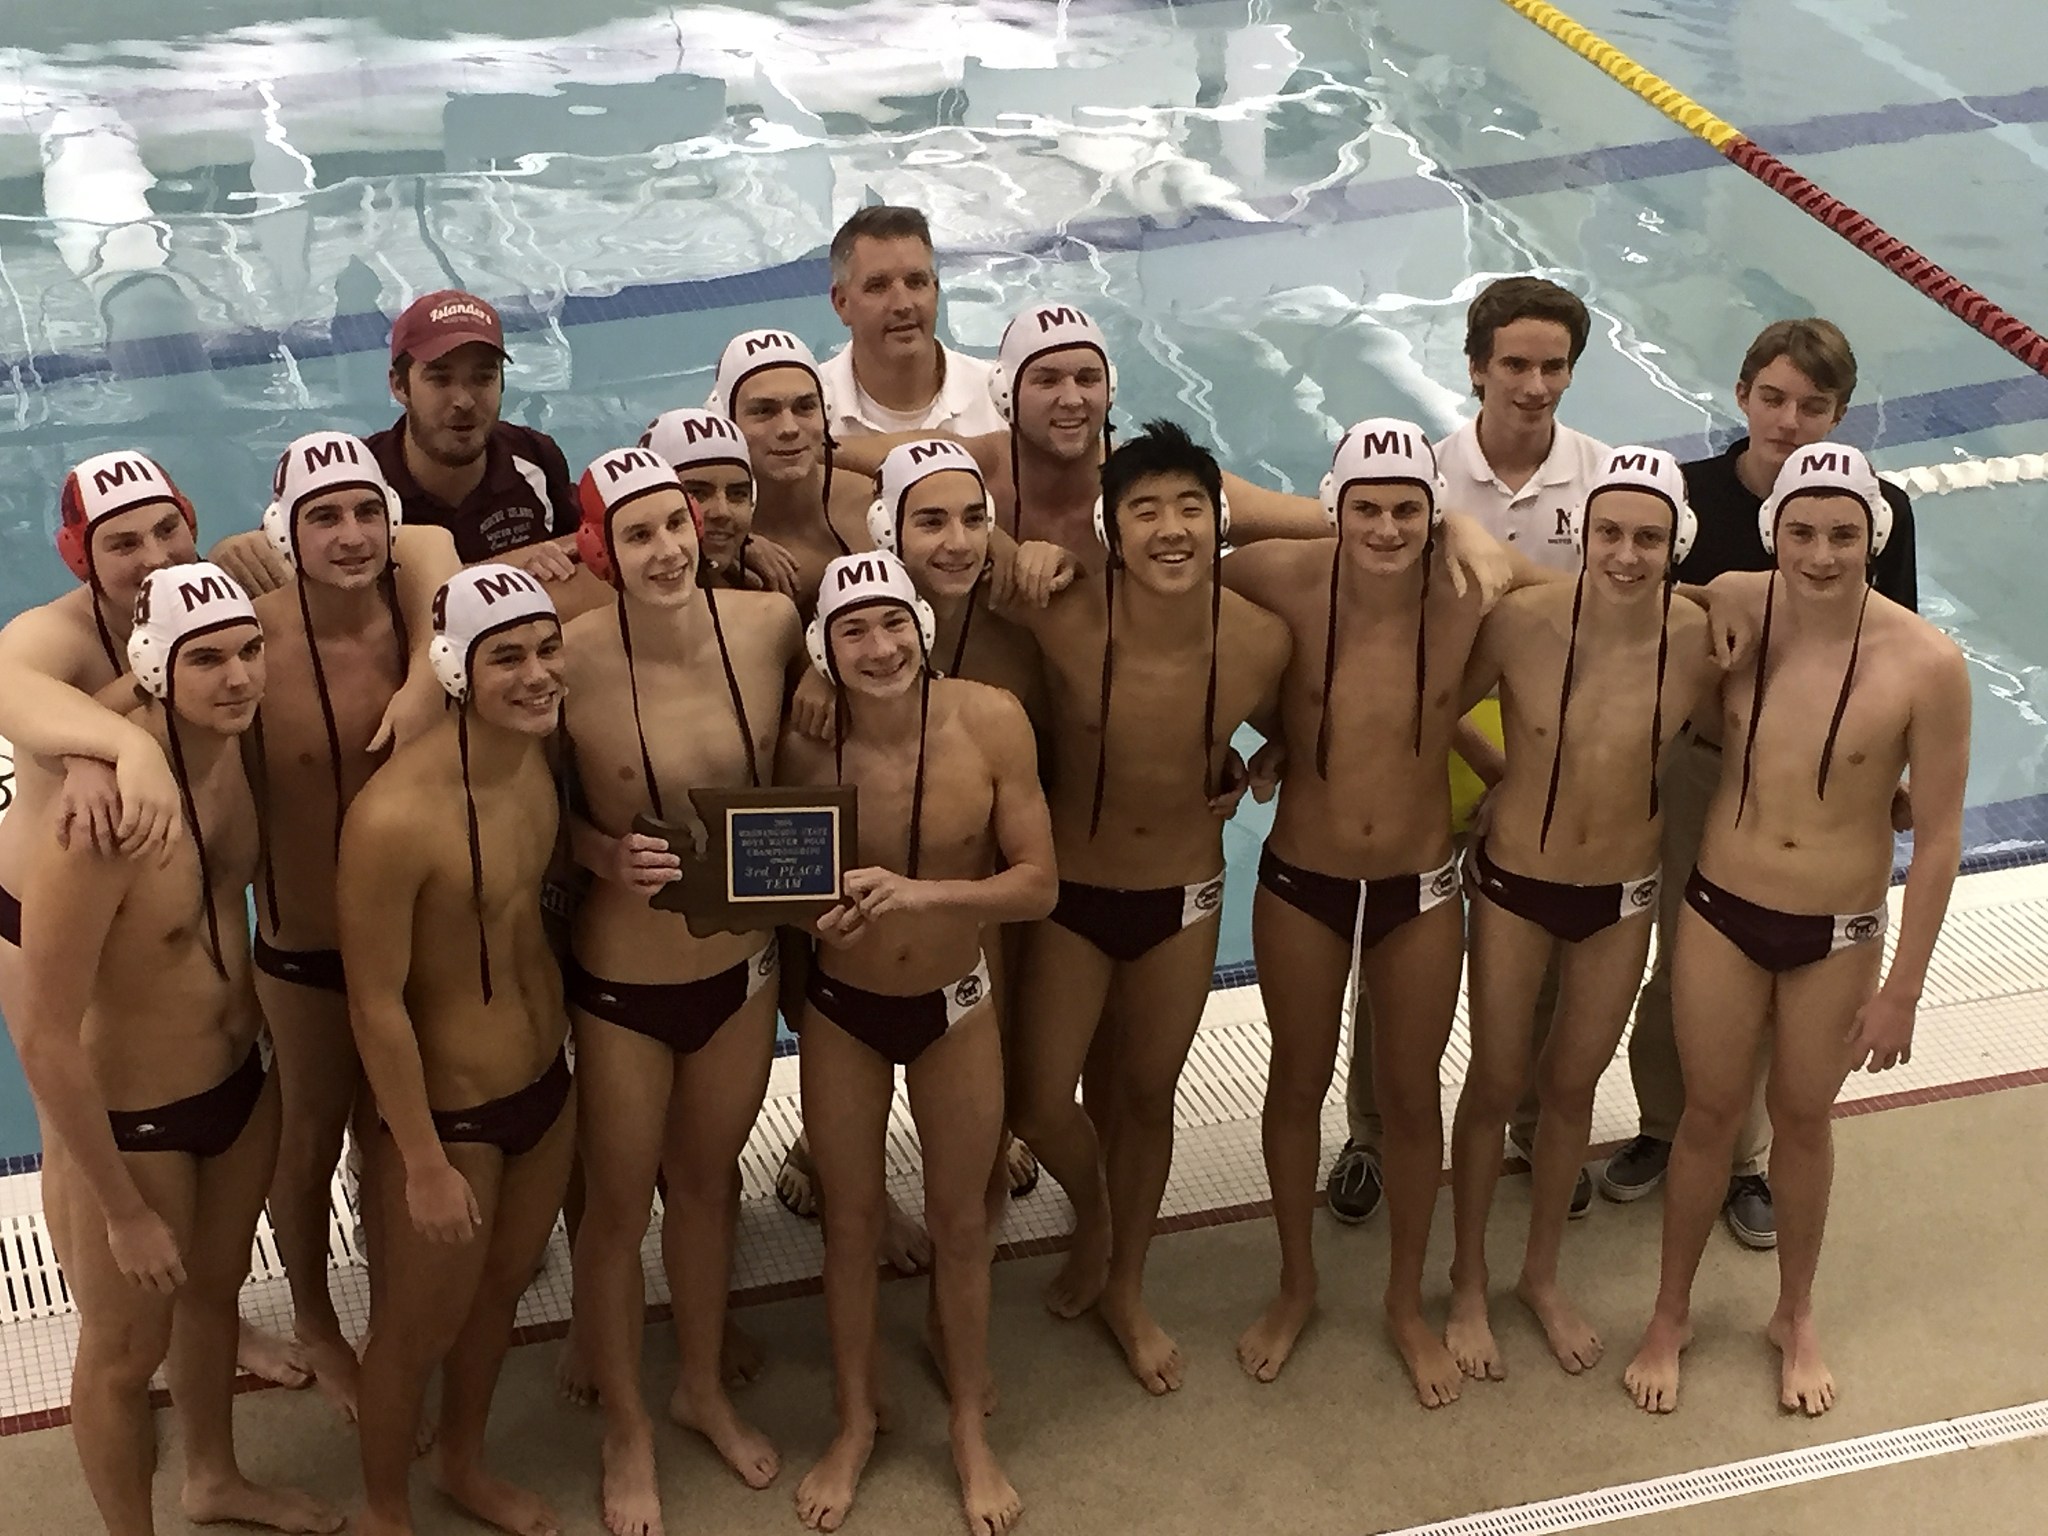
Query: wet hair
(1816, 347)
(877, 221)
(840, 723)
(1763, 658)
(1163, 448)
(1523, 298)
(1571, 651)
(1421, 623)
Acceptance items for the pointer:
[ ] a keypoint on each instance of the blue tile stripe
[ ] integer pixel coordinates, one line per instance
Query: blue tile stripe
(807, 277)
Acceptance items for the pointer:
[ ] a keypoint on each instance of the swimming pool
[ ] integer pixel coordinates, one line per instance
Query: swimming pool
(1277, 209)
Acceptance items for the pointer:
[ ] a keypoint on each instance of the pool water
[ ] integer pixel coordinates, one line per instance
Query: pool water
(1277, 209)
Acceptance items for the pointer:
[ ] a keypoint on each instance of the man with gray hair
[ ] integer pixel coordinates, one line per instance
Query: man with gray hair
(895, 375)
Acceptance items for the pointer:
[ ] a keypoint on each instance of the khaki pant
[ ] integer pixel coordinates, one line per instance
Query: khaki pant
(1691, 773)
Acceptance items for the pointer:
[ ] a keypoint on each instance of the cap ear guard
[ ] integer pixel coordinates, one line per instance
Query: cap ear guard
(1112, 541)
(451, 667)
(882, 527)
(590, 548)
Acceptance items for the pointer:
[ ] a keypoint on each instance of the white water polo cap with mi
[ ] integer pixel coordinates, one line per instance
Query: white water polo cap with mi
(906, 465)
(1827, 469)
(753, 352)
(1651, 470)
(690, 436)
(473, 605)
(175, 606)
(317, 465)
(1037, 332)
(863, 581)
(1379, 451)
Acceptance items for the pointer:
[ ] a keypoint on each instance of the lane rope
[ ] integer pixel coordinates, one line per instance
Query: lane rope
(2018, 338)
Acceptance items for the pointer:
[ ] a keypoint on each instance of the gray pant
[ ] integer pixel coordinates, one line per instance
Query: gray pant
(1691, 773)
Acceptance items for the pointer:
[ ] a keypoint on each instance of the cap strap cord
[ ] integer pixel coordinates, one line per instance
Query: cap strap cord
(924, 711)
(732, 686)
(184, 778)
(1108, 678)
(1215, 631)
(633, 689)
(99, 623)
(326, 707)
(1564, 699)
(1422, 637)
(966, 623)
(1827, 751)
(1329, 662)
(476, 854)
(1657, 704)
(258, 758)
(1756, 703)
(830, 526)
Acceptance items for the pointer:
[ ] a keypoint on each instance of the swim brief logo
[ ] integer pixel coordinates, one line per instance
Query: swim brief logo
(770, 341)
(461, 309)
(319, 456)
(120, 473)
(764, 964)
(490, 588)
(1208, 897)
(1063, 314)
(1444, 881)
(1642, 894)
(1862, 929)
(967, 991)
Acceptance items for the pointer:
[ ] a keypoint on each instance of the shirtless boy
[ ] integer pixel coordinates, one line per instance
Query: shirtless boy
(141, 1041)
(120, 518)
(1149, 668)
(811, 506)
(1595, 681)
(711, 459)
(338, 653)
(1359, 860)
(457, 1010)
(954, 838)
(672, 688)
(1786, 913)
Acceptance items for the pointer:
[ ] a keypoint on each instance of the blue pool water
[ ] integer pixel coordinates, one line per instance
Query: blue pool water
(1279, 211)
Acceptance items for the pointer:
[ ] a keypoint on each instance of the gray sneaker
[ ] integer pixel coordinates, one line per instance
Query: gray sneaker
(1354, 1188)
(1749, 1212)
(1636, 1168)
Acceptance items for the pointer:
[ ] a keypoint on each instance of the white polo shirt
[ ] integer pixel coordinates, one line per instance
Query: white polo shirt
(962, 407)
(1536, 520)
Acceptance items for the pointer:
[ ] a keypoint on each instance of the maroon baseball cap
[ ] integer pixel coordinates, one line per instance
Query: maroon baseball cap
(437, 323)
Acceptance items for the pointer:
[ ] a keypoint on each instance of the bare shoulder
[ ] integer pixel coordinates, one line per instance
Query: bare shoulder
(1255, 629)
(770, 614)
(1937, 661)
(802, 759)
(851, 490)
(987, 711)
(588, 640)
(1274, 571)
(56, 639)
(424, 541)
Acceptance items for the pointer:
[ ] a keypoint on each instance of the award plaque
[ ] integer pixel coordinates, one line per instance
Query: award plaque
(761, 858)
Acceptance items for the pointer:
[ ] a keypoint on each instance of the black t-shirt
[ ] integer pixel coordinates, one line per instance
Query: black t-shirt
(525, 496)
(1730, 540)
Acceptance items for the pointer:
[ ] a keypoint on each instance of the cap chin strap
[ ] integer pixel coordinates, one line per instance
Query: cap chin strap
(1827, 751)
(476, 853)
(1756, 703)
(1422, 636)
(1108, 681)
(184, 777)
(924, 711)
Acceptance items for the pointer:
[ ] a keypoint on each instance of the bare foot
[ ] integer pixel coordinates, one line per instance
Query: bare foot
(740, 1357)
(335, 1368)
(1153, 1357)
(270, 1358)
(825, 1496)
(1805, 1385)
(1572, 1339)
(1264, 1347)
(632, 1493)
(497, 1502)
(244, 1503)
(573, 1376)
(935, 1343)
(1468, 1335)
(1430, 1366)
(990, 1503)
(906, 1247)
(745, 1449)
(370, 1523)
(1078, 1285)
(1652, 1377)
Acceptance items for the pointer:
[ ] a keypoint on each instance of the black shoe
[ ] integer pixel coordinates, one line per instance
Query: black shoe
(1354, 1188)
(1749, 1212)
(1582, 1195)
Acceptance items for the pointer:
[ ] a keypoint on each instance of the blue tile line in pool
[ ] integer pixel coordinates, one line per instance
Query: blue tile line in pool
(806, 277)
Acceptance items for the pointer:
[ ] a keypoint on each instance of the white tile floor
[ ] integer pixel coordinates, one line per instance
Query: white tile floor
(1982, 1016)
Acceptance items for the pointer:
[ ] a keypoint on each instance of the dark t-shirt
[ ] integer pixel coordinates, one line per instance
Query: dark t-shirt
(1730, 540)
(525, 496)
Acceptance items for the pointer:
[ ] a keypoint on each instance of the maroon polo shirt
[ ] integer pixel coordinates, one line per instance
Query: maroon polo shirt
(525, 496)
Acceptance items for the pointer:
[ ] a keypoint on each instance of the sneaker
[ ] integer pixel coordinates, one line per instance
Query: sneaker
(1354, 1188)
(1636, 1168)
(1749, 1212)
(1582, 1195)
